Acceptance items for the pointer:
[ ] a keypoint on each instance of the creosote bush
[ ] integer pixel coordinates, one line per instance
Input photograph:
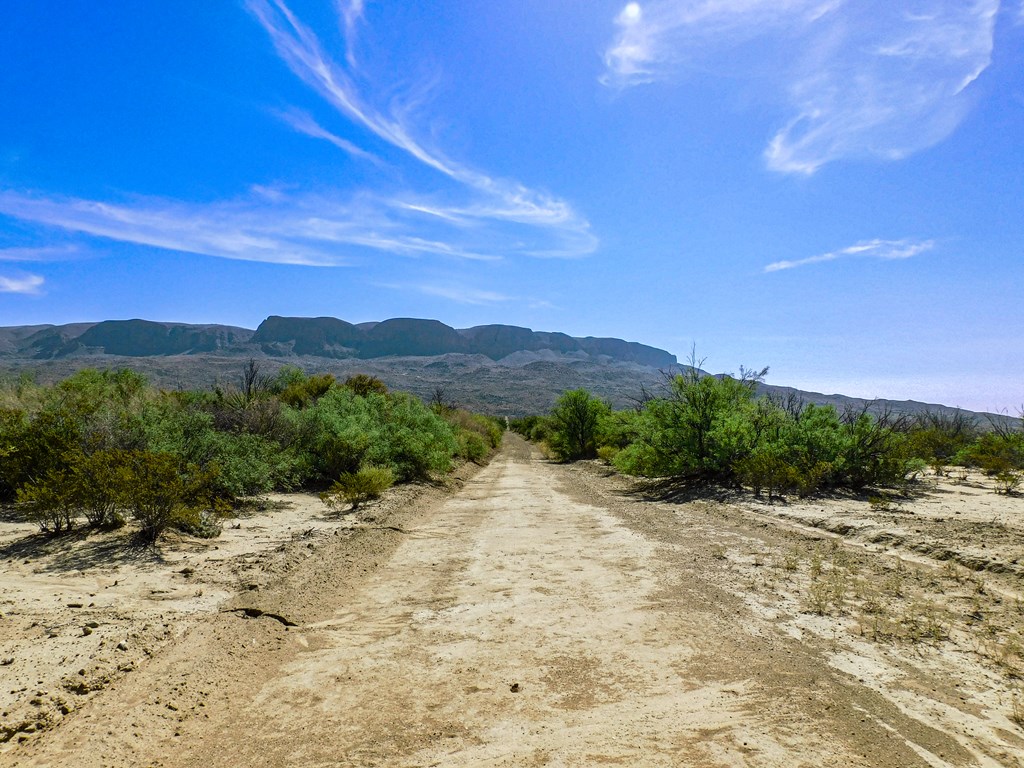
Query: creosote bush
(106, 447)
(715, 430)
(356, 488)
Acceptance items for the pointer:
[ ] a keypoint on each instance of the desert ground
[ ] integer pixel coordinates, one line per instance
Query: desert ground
(528, 614)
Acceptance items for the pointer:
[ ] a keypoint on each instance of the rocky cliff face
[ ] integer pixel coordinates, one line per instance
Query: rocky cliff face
(317, 336)
(313, 336)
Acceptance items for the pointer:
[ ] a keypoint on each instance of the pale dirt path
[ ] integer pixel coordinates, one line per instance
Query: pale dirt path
(521, 623)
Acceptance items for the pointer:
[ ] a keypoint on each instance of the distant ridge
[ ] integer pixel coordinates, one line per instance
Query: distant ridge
(312, 336)
(500, 369)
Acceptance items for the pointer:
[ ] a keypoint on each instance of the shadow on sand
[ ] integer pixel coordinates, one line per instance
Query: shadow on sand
(81, 550)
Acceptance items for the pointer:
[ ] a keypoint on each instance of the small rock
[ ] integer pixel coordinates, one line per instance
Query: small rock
(514, 688)
(75, 605)
(7, 662)
(122, 646)
(86, 630)
(92, 624)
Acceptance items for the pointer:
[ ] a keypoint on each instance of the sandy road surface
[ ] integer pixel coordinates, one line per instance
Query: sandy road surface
(537, 617)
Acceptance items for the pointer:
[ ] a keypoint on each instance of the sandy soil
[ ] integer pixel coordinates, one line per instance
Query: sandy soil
(541, 615)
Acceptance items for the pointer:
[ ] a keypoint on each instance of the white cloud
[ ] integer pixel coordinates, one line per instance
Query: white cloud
(26, 284)
(304, 123)
(464, 295)
(351, 13)
(875, 249)
(468, 215)
(268, 226)
(487, 197)
(460, 294)
(44, 253)
(871, 77)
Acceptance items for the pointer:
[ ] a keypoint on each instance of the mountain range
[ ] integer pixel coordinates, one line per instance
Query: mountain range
(499, 369)
(313, 336)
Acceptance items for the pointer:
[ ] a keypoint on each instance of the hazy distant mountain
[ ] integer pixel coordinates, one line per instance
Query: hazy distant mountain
(313, 336)
(499, 369)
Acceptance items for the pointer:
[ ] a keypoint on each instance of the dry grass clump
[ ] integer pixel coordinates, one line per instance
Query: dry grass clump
(888, 601)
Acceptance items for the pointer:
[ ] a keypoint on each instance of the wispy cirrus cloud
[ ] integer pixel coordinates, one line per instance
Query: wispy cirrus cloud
(39, 254)
(351, 13)
(304, 123)
(485, 198)
(461, 294)
(25, 284)
(867, 78)
(874, 249)
(468, 215)
(269, 225)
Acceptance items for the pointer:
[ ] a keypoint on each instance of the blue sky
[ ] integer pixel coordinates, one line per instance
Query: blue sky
(832, 188)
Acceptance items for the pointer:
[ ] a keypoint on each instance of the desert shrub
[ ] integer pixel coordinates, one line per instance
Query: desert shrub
(416, 444)
(914, 467)
(476, 435)
(574, 425)
(355, 488)
(49, 502)
(246, 463)
(297, 390)
(99, 484)
(524, 425)
(712, 429)
(874, 452)
(94, 485)
(163, 491)
(994, 452)
(938, 437)
(618, 428)
(472, 447)
(86, 412)
(17, 460)
(199, 522)
(72, 448)
(607, 453)
(343, 431)
(1008, 482)
(698, 431)
(764, 470)
(809, 480)
(362, 385)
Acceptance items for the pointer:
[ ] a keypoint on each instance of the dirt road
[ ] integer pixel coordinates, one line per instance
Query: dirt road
(542, 616)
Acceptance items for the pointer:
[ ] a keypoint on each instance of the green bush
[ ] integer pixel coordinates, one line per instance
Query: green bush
(574, 425)
(766, 471)
(99, 484)
(698, 432)
(362, 385)
(1007, 482)
(49, 502)
(162, 491)
(355, 488)
(343, 431)
(105, 446)
(300, 391)
(994, 452)
(472, 447)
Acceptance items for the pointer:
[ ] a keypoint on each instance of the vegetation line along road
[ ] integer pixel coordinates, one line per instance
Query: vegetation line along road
(545, 612)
